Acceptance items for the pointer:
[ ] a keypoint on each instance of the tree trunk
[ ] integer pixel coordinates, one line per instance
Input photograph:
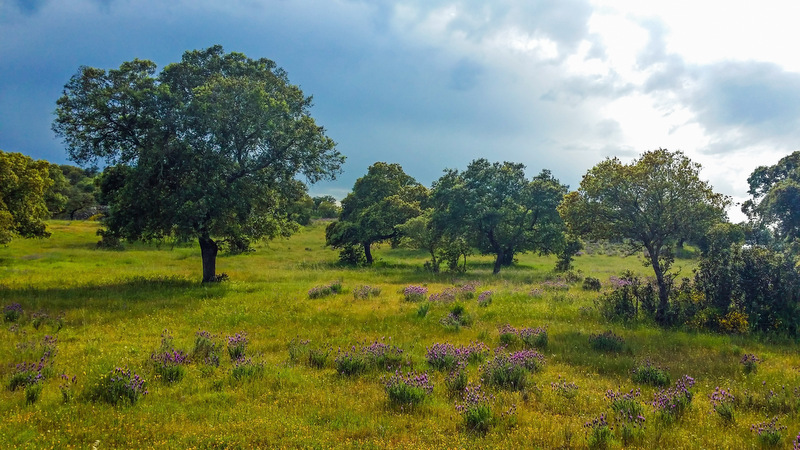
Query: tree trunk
(368, 252)
(498, 262)
(208, 250)
(663, 292)
(508, 257)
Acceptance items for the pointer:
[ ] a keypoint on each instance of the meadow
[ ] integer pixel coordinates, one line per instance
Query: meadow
(297, 321)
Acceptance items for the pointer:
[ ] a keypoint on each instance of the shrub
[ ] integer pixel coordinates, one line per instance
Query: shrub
(415, 293)
(724, 404)
(671, 403)
(533, 337)
(485, 298)
(530, 337)
(410, 389)
(38, 319)
(607, 342)
(205, 348)
(121, 386)
(769, 432)
(446, 356)
(625, 403)
(648, 373)
(591, 284)
(326, 290)
(25, 374)
(169, 365)
(565, 389)
(456, 318)
(12, 312)
(422, 311)
(510, 371)
(350, 363)
(449, 295)
(33, 391)
(598, 432)
(508, 335)
(246, 369)
(749, 363)
(237, 346)
(318, 358)
(361, 357)
(363, 292)
(456, 380)
(476, 409)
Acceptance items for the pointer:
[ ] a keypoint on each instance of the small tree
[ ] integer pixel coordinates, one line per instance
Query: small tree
(23, 185)
(653, 202)
(209, 149)
(381, 200)
(499, 210)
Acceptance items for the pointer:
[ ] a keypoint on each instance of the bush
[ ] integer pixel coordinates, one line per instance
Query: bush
(205, 348)
(724, 404)
(671, 403)
(246, 369)
(648, 373)
(12, 312)
(476, 409)
(121, 386)
(410, 389)
(598, 432)
(769, 432)
(363, 292)
(607, 342)
(237, 346)
(415, 293)
(591, 284)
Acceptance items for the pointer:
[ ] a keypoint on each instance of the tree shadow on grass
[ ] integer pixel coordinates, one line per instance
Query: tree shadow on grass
(138, 294)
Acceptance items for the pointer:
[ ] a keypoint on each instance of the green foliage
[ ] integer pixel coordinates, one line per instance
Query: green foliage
(654, 202)
(648, 373)
(607, 342)
(121, 386)
(591, 284)
(775, 192)
(761, 283)
(381, 200)
(209, 149)
(23, 186)
(73, 193)
(495, 209)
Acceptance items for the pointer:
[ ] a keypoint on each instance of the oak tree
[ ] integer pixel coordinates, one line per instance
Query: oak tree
(207, 149)
(652, 202)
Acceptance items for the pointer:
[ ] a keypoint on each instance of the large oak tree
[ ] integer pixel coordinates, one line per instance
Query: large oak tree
(208, 149)
(498, 210)
(653, 202)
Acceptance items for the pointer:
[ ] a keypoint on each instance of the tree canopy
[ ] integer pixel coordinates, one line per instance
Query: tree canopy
(23, 185)
(498, 210)
(381, 200)
(653, 202)
(775, 201)
(208, 149)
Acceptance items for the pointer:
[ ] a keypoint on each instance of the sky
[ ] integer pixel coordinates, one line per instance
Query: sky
(431, 85)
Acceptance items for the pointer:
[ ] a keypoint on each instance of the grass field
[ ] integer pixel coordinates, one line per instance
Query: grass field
(108, 309)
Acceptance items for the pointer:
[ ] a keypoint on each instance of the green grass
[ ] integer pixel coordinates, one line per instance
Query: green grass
(116, 304)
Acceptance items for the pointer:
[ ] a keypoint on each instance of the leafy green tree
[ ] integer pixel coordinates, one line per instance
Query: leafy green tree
(326, 207)
(381, 200)
(208, 149)
(653, 202)
(23, 185)
(775, 201)
(498, 210)
(73, 190)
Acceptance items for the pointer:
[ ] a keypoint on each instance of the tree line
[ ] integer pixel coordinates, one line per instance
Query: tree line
(211, 148)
